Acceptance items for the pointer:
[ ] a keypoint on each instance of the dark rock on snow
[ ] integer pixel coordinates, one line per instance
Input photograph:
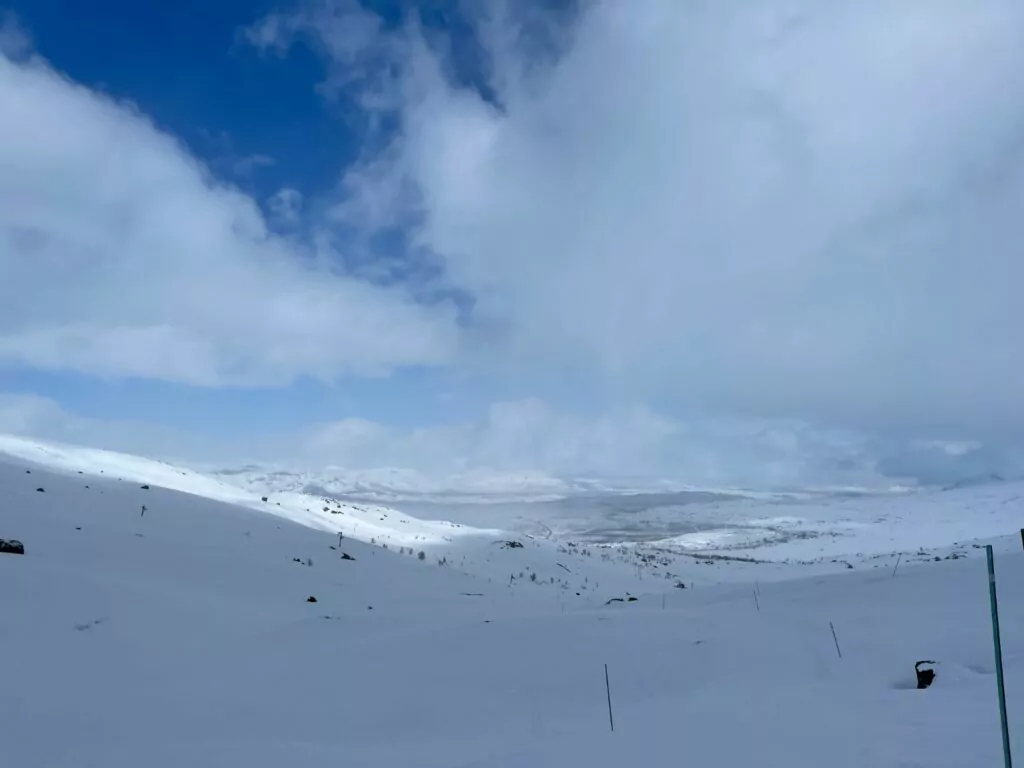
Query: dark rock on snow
(925, 677)
(12, 547)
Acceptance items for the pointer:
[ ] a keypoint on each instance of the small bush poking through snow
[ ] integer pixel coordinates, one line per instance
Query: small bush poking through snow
(422, 555)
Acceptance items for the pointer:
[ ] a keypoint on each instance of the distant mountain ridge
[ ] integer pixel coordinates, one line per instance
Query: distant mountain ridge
(397, 484)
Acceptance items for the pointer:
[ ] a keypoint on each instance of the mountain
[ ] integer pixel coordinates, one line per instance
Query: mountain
(161, 617)
(480, 485)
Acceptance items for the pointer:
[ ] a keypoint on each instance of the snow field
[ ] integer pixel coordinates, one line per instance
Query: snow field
(182, 637)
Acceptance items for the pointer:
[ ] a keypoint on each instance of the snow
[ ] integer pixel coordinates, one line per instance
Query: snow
(182, 636)
(362, 521)
(393, 484)
(478, 485)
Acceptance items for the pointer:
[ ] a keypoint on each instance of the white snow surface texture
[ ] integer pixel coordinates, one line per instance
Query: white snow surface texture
(182, 636)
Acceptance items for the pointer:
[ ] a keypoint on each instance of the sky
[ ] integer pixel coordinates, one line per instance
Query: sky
(771, 243)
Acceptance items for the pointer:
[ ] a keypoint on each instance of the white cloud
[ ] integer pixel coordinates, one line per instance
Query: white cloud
(120, 256)
(285, 207)
(804, 209)
(530, 438)
(527, 436)
(39, 417)
(630, 442)
(247, 166)
(15, 42)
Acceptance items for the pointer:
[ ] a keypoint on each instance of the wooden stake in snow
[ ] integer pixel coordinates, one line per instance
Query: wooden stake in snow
(836, 639)
(608, 690)
(756, 601)
(898, 560)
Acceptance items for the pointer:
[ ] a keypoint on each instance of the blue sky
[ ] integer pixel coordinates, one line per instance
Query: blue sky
(186, 67)
(769, 243)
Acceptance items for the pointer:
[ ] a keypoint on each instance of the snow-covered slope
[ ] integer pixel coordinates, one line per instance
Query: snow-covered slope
(183, 637)
(362, 521)
(392, 483)
(478, 485)
(857, 527)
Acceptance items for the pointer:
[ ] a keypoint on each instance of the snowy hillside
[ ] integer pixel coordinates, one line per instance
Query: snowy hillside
(161, 618)
(389, 484)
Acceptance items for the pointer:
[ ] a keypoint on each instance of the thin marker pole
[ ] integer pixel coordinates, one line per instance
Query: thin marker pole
(836, 639)
(898, 559)
(756, 601)
(608, 690)
(996, 642)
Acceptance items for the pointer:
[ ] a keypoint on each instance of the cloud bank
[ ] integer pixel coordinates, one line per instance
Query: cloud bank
(627, 447)
(740, 242)
(796, 209)
(121, 256)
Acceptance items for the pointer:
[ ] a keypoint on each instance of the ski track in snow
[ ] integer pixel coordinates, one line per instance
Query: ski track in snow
(183, 636)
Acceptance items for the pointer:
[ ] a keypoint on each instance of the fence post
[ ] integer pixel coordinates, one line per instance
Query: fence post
(830, 625)
(996, 642)
(608, 690)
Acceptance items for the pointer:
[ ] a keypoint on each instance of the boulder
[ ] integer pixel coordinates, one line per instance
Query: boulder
(925, 677)
(12, 547)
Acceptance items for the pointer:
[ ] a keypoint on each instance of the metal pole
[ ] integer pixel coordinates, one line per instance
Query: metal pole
(608, 689)
(1007, 760)
(836, 639)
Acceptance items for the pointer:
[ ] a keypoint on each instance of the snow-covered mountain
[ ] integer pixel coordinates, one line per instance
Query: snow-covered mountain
(479, 485)
(390, 483)
(162, 617)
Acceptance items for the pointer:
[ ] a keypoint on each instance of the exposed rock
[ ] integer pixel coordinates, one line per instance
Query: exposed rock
(925, 677)
(626, 599)
(12, 547)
